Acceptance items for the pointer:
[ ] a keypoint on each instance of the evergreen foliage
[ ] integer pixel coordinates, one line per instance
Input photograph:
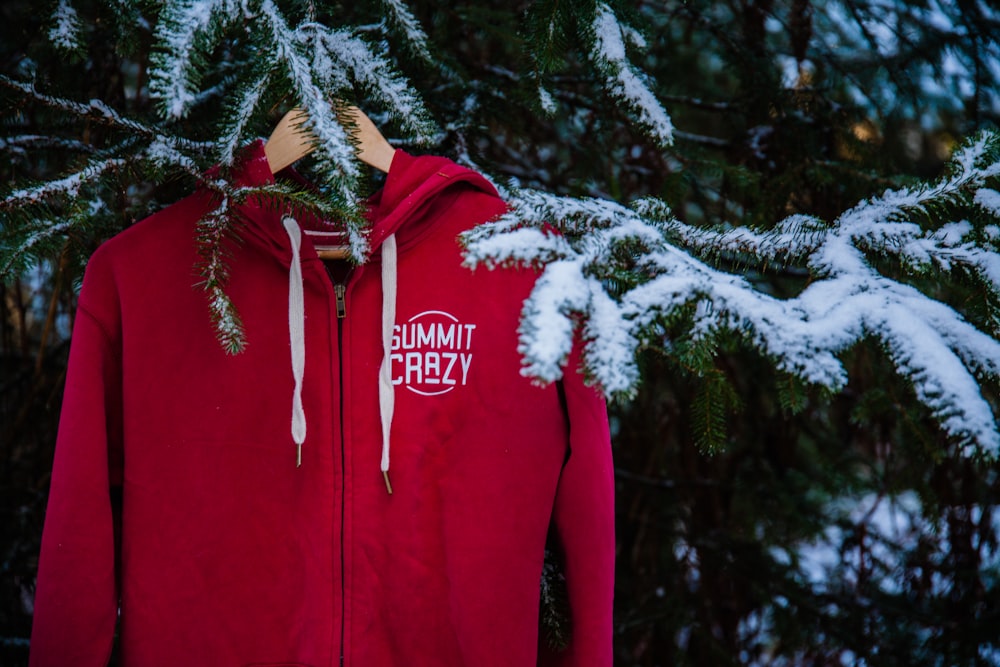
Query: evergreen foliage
(931, 344)
(775, 225)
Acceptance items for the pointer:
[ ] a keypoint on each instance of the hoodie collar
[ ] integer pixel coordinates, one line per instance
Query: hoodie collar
(411, 184)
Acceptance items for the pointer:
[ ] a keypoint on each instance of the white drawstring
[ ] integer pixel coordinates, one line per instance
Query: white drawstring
(386, 392)
(297, 342)
(296, 335)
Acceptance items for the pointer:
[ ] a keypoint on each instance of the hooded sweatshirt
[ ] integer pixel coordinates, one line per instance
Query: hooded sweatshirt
(214, 509)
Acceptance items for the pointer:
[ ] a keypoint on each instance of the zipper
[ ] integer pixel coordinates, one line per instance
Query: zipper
(340, 290)
(339, 281)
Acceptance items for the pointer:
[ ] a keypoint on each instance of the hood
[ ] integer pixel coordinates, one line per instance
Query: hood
(399, 215)
(413, 185)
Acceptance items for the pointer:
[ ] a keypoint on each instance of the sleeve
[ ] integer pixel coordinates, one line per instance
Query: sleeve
(584, 520)
(76, 594)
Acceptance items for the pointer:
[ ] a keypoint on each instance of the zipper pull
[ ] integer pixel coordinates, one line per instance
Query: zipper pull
(340, 290)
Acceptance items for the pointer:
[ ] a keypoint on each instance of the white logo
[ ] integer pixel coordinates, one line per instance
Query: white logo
(431, 353)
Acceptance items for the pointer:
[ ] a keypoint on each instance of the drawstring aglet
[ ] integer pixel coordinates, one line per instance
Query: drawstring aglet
(298, 455)
(388, 486)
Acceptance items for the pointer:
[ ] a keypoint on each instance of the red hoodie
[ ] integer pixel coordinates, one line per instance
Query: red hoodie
(177, 509)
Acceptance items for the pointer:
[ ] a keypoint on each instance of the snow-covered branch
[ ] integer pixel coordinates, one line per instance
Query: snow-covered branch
(214, 229)
(399, 16)
(627, 271)
(65, 186)
(339, 57)
(622, 80)
(321, 65)
(47, 229)
(162, 152)
(20, 144)
(234, 132)
(184, 35)
(98, 111)
(66, 27)
(332, 142)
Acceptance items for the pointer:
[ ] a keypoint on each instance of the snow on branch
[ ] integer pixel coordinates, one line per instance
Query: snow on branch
(339, 56)
(185, 33)
(622, 80)
(632, 273)
(165, 154)
(874, 223)
(792, 239)
(399, 16)
(66, 186)
(321, 67)
(989, 200)
(214, 228)
(20, 144)
(233, 132)
(332, 142)
(66, 28)
(162, 152)
(98, 111)
(43, 231)
(321, 64)
(334, 149)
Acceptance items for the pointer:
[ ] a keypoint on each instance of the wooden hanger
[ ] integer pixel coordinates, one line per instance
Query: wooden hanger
(291, 140)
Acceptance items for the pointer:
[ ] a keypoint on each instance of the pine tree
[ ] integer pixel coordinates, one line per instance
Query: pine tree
(775, 225)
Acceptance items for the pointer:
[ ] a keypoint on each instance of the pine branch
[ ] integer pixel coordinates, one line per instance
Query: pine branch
(334, 150)
(554, 614)
(219, 230)
(549, 25)
(622, 80)
(99, 112)
(627, 271)
(26, 247)
(340, 57)
(66, 186)
(21, 144)
(216, 230)
(711, 402)
(791, 394)
(400, 18)
(187, 32)
(238, 115)
(66, 29)
(161, 153)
